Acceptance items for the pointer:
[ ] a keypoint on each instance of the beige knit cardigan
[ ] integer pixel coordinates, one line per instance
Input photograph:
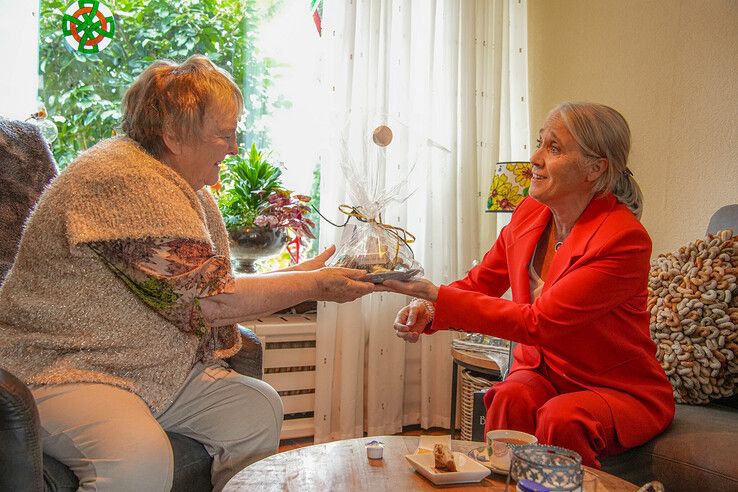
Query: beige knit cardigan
(66, 318)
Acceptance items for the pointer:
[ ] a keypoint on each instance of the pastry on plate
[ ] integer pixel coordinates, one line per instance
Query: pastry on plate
(444, 458)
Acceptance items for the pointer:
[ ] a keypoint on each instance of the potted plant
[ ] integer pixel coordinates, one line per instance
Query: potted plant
(260, 215)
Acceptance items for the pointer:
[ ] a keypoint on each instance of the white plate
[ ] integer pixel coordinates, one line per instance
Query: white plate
(481, 455)
(468, 470)
(426, 443)
(402, 275)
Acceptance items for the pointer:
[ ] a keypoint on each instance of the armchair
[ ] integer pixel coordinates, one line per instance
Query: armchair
(23, 466)
(26, 167)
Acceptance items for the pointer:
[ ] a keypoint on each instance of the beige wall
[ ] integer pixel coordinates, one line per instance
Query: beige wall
(671, 68)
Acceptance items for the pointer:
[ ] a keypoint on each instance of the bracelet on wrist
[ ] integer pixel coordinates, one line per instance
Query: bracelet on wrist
(428, 307)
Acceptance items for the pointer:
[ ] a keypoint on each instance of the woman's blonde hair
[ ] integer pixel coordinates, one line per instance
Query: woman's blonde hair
(602, 133)
(177, 97)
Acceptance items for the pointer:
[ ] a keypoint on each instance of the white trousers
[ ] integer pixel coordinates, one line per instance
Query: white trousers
(109, 438)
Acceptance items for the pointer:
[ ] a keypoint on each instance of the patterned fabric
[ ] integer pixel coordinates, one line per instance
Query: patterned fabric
(169, 275)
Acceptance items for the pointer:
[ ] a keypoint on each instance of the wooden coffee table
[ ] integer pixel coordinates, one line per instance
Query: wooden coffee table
(343, 465)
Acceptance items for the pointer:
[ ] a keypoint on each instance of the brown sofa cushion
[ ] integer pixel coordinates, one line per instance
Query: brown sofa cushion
(696, 453)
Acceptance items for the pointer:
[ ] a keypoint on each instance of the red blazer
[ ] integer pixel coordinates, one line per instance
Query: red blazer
(590, 322)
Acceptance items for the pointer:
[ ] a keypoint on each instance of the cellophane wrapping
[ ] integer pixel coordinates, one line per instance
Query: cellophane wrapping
(382, 249)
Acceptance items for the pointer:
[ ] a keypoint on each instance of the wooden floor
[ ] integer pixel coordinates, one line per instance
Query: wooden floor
(414, 430)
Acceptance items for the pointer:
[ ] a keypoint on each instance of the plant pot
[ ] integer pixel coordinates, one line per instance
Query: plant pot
(251, 244)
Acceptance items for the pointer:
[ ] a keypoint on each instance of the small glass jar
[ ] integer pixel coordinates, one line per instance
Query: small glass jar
(555, 468)
(47, 127)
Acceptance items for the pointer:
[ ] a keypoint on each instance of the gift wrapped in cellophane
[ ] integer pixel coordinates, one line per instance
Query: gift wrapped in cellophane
(374, 245)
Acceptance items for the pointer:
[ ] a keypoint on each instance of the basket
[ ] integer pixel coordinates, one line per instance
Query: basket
(470, 383)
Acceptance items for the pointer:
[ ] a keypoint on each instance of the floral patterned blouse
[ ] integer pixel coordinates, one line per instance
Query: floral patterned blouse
(169, 275)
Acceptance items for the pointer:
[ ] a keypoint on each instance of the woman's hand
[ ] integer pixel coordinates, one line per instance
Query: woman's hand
(341, 284)
(422, 289)
(412, 320)
(316, 262)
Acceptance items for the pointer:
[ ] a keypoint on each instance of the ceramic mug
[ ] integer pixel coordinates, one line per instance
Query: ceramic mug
(499, 444)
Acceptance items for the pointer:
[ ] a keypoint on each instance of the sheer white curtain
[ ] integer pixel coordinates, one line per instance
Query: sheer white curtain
(438, 67)
(19, 39)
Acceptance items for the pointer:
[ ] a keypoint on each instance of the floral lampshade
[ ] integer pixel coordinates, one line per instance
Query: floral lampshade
(510, 185)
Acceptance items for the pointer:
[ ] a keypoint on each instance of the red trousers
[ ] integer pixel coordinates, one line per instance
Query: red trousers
(555, 410)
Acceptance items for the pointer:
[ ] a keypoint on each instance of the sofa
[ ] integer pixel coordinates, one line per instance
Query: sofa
(26, 167)
(698, 450)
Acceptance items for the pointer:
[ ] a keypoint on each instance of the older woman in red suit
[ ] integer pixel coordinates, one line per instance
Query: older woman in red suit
(584, 374)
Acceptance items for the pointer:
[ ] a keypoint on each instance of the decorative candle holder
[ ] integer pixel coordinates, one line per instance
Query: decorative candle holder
(374, 450)
(555, 468)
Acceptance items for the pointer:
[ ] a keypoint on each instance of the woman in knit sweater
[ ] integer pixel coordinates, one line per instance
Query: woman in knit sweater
(121, 303)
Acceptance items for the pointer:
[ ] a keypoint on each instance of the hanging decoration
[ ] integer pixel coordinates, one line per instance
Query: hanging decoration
(88, 26)
(316, 7)
(293, 249)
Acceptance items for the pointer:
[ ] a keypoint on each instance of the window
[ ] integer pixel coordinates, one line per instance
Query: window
(82, 92)
(269, 46)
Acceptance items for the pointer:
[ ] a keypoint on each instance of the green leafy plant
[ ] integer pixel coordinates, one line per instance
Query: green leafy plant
(246, 182)
(250, 194)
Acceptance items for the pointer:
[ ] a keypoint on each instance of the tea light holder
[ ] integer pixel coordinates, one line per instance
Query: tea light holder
(555, 468)
(374, 450)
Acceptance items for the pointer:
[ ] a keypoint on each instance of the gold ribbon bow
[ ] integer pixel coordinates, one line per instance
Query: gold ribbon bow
(400, 234)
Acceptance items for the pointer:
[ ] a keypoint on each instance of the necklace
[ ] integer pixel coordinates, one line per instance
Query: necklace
(552, 237)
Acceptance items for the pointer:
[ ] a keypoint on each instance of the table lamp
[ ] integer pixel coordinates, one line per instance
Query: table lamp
(510, 184)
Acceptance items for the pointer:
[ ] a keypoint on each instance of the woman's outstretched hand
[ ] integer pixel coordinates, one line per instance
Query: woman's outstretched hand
(412, 320)
(316, 262)
(341, 284)
(422, 288)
